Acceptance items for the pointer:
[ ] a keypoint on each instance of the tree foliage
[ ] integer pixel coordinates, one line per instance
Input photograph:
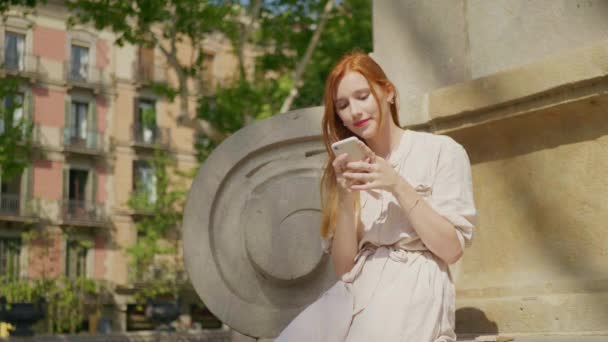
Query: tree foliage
(283, 32)
(156, 262)
(278, 31)
(16, 133)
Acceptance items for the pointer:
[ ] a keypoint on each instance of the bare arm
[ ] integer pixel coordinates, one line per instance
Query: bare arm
(436, 232)
(445, 224)
(344, 246)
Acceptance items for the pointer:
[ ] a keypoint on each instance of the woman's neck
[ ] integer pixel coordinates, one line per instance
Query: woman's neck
(386, 140)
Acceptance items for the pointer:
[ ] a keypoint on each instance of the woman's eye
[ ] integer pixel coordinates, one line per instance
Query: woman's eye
(363, 97)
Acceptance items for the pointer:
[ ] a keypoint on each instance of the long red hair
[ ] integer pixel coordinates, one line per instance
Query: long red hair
(334, 130)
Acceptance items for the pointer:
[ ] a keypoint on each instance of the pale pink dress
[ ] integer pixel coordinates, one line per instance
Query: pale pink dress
(398, 290)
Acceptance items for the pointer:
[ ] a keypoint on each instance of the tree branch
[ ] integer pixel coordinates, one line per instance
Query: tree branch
(301, 67)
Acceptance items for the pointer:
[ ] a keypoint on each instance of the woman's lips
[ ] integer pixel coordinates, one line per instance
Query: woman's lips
(361, 123)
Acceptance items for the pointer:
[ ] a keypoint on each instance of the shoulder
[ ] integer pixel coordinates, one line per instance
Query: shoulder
(436, 142)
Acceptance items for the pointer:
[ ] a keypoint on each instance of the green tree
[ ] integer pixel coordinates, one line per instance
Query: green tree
(15, 132)
(298, 41)
(163, 24)
(156, 260)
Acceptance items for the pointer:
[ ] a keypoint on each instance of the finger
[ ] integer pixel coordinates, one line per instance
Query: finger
(359, 165)
(366, 186)
(339, 161)
(362, 177)
(368, 151)
(340, 158)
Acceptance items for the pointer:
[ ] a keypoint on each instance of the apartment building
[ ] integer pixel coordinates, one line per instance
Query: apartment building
(96, 123)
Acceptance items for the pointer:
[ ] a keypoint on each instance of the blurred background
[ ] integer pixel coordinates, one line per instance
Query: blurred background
(108, 109)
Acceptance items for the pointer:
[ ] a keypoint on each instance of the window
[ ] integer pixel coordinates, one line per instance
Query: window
(79, 63)
(75, 259)
(10, 196)
(145, 121)
(12, 113)
(145, 180)
(14, 51)
(78, 184)
(10, 251)
(146, 64)
(78, 193)
(208, 69)
(77, 129)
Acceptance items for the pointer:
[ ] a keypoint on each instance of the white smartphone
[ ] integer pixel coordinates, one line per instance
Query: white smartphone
(349, 146)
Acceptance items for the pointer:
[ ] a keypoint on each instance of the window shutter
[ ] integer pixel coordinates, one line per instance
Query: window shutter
(134, 175)
(26, 195)
(28, 110)
(29, 180)
(92, 124)
(67, 117)
(66, 183)
(94, 178)
(136, 118)
(88, 188)
(28, 106)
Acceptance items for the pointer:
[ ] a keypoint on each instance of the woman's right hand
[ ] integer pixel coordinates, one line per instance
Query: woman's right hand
(339, 165)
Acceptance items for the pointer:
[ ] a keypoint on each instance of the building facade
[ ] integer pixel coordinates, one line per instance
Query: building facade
(97, 123)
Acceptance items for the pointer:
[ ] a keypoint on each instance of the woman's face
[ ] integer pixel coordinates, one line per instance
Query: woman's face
(356, 106)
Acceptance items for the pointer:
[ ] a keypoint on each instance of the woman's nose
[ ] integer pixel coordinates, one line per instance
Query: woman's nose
(355, 110)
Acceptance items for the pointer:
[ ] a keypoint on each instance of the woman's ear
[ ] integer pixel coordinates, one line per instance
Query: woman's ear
(390, 94)
(391, 97)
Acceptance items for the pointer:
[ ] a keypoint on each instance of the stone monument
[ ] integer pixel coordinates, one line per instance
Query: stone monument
(523, 86)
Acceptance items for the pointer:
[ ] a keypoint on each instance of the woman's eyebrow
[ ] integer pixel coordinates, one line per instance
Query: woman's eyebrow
(356, 92)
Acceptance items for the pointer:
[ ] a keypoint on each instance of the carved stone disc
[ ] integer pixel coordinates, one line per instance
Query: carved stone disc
(251, 224)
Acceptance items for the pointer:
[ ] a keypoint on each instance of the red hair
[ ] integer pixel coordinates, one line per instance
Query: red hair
(334, 130)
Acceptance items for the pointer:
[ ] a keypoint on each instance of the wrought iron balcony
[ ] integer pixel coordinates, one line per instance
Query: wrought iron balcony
(87, 142)
(150, 136)
(26, 65)
(80, 212)
(13, 208)
(84, 76)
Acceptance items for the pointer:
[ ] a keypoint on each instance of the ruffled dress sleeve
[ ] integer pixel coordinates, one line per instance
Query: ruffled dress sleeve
(452, 195)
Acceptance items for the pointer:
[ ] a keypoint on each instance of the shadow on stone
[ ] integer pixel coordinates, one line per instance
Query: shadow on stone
(472, 321)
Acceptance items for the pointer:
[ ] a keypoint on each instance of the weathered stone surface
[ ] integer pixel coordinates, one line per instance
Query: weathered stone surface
(556, 79)
(251, 224)
(421, 46)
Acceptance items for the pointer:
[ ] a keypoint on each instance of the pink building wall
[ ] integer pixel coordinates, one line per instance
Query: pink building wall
(49, 107)
(101, 184)
(45, 257)
(102, 110)
(99, 262)
(50, 43)
(48, 179)
(102, 53)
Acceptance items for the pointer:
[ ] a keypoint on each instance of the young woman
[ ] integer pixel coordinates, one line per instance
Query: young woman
(392, 223)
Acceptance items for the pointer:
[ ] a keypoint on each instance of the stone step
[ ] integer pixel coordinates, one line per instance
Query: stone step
(534, 338)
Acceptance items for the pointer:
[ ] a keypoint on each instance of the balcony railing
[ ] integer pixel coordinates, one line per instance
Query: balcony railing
(87, 76)
(150, 136)
(86, 142)
(82, 212)
(14, 208)
(10, 204)
(27, 64)
(148, 72)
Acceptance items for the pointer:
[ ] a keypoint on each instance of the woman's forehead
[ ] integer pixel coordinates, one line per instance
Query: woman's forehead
(350, 83)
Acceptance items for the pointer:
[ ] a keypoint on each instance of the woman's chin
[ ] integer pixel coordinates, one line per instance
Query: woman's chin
(367, 133)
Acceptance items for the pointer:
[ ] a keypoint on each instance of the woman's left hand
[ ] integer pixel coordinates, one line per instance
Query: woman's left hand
(372, 173)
